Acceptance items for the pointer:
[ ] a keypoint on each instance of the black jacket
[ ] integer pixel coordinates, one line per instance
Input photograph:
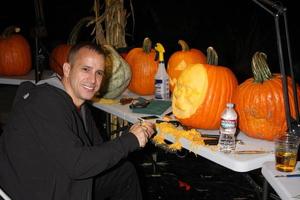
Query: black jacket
(48, 152)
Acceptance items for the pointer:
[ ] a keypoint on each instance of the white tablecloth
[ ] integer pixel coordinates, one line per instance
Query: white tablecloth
(235, 162)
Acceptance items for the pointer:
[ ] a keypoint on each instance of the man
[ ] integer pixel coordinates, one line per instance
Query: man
(51, 148)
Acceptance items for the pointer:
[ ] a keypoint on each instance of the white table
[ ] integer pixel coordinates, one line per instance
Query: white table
(123, 111)
(235, 162)
(16, 80)
(286, 188)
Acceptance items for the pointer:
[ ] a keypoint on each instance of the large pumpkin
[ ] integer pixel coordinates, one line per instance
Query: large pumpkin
(179, 60)
(117, 74)
(15, 53)
(143, 67)
(259, 102)
(201, 93)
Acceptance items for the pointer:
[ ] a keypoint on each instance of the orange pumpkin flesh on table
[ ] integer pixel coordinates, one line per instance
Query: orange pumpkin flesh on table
(259, 102)
(179, 60)
(15, 53)
(143, 68)
(201, 93)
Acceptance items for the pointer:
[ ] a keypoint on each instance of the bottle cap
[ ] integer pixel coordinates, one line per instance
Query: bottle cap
(160, 49)
(230, 105)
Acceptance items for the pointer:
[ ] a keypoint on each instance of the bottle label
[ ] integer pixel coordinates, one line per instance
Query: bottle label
(162, 89)
(227, 123)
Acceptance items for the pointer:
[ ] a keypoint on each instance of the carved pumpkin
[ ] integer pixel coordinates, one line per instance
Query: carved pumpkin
(179, 60)
(117, 74)
(201, 93)
(259, 102)
(143, 67)
(15, 53)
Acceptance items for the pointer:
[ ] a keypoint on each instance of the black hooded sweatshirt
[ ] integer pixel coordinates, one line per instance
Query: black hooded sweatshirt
(49, 150)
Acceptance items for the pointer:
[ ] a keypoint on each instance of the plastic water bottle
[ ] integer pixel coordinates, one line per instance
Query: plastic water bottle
(162, 83)
(228, 129)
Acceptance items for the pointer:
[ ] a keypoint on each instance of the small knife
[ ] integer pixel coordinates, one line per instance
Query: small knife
(288, 175)
(252, 152)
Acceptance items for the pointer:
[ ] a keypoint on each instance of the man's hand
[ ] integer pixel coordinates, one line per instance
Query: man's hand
(143, 131)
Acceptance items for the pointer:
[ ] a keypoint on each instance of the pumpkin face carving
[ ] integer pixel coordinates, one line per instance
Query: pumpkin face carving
(190, 91)
(201, 93)
(179, 60)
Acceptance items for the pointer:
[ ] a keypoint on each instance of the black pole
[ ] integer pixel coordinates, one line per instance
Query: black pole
(39, 32)
(283, 78)
(282, 11)
(291, 67)
(37, 65)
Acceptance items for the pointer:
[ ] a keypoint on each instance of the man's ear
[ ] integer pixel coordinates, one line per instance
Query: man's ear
(66, 69)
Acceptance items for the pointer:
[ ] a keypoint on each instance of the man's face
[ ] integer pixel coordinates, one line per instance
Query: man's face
(83, 77)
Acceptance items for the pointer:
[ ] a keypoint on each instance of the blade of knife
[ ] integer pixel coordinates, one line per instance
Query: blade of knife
(252, 152)
(288, 175)
(210, 135)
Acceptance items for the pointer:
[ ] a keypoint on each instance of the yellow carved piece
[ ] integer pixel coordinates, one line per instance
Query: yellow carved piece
(190, 91)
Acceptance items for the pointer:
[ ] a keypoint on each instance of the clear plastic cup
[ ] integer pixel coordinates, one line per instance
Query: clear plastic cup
(286, 149)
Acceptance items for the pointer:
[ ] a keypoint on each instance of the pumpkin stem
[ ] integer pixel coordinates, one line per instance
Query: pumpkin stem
(10, 30)
(73, 37)
(147, 45)
(184, 45)
(260, 68)
(212, 56)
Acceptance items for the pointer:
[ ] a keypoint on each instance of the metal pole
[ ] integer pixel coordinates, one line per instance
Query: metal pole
(282, 11)
(37, 62)
(283, 78)
(291, 67)
(39, 32)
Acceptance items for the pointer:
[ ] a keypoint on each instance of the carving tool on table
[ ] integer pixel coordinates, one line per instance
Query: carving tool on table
(252, 152)
(288, 175)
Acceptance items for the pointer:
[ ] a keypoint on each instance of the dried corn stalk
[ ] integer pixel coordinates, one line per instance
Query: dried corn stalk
(110, 25)
(109, 28)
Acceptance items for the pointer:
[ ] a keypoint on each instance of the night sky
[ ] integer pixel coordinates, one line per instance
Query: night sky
(236, 29)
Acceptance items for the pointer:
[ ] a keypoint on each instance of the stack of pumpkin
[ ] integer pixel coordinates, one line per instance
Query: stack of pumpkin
(201, 88)
(202, 91)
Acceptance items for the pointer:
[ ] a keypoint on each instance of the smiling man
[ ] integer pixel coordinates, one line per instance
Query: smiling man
(83, 74)
(51, 149)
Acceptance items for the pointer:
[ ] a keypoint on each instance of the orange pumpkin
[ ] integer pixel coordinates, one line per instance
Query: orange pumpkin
(143, 68)
(201, 93)
(15, 53)
(259, 102)
(179, 60)
(59, 54)
(58, 57)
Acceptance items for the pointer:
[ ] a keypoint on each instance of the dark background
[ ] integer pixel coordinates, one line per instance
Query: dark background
(236, 29)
